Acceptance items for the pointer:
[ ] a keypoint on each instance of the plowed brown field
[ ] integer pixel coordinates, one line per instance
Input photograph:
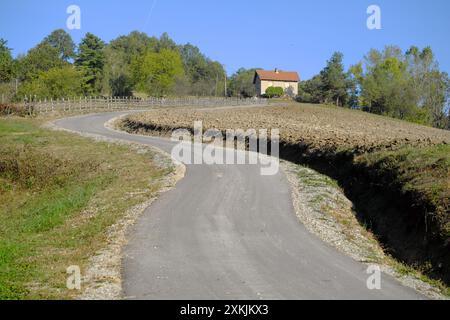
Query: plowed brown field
(319, 127)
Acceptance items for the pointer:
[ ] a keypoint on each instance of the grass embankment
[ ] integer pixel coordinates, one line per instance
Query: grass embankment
(58, 195)
(397, 174)
(407, 199)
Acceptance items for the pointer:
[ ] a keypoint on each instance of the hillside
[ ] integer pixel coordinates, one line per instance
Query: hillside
(314, 125)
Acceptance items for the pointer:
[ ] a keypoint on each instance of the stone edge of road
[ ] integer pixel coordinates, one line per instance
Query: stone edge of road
(322, 218)
(103, 277)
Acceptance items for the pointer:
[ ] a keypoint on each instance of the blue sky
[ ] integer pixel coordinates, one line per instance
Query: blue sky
(291, 35)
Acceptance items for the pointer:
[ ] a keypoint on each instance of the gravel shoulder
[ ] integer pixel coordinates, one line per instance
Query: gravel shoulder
(326, 212)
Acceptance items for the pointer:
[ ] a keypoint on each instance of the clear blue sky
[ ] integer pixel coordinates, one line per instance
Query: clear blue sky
(291, 35)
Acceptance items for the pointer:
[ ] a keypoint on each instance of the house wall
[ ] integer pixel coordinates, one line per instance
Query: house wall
(258, 86)
(290, 88)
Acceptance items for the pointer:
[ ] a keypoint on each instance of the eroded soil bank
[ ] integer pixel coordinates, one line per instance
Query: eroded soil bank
(405, 222)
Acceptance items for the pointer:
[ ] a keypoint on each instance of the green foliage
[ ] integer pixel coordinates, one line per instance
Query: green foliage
(241, 83)
(274, 92)
(425, 171)
(335, 82)
(112, 69)
(6, 62)
(202, 75)
(165, 43)
(55, 83)
(41, 58)
(310, 91)
(133, 45)
(91, 60)
(62, 41)
(156, 72)
(332, 85)
(407, 86)
(119, 54)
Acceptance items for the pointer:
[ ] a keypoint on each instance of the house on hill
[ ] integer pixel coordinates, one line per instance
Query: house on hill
(287, 80)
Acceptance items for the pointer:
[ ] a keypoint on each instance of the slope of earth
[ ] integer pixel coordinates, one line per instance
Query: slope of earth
(318, 127)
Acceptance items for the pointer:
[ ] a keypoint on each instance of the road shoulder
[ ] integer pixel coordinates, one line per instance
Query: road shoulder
(323, 208)
(102, 279)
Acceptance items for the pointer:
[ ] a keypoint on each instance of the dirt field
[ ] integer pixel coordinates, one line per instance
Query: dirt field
(316, 126)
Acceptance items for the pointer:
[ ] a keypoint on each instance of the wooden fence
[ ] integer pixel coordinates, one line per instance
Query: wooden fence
(107, 104)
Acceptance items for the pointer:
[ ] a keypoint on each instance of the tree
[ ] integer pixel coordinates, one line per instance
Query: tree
(62, 41)
(156, 72)
(6, 62)
(116, 80)
(39, 59)
(119, 54)
(203, 76)
(91, 60)
(241, 83)
(310, 91)
(335, 83)
(430, 86)
(407, 86)
(133, 45)
(165, 43)
(436, 97)
(55, 83)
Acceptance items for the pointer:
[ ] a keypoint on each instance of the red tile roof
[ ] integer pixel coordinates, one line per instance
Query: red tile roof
(277, 76)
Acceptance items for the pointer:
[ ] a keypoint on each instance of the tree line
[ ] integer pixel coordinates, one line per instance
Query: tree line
(135, 64)
(406, 85)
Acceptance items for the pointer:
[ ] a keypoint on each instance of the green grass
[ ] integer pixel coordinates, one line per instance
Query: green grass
(423, 171)
(313, 179)
(58, 195)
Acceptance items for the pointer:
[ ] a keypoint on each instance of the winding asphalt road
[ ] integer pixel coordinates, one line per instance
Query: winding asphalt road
(226, 232)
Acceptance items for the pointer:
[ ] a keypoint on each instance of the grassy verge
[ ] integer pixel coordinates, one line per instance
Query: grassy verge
(58, 195)
(416, 225)
(422, 171)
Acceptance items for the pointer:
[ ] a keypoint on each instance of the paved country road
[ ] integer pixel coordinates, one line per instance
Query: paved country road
(226, 232)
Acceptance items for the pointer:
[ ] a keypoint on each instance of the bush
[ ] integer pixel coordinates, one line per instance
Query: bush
(274, 92)
(7, 109)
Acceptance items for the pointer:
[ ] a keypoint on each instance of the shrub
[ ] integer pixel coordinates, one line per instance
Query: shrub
(7, 109)
(274, 92)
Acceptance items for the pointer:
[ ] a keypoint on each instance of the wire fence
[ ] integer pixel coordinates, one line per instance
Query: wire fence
(32, 106)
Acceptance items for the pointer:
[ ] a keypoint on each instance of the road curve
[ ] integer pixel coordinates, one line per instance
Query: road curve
(226, 232)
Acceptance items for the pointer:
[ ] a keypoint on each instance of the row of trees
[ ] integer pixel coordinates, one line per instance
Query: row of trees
(407, 85)
(132, 64)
